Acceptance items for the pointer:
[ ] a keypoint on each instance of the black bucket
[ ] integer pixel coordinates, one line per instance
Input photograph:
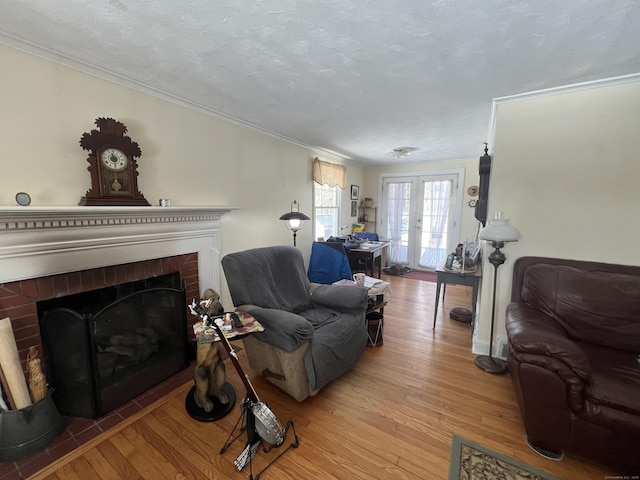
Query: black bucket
(28, 430)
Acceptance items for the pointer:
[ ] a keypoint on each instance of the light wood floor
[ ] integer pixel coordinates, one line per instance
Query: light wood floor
(390, 417)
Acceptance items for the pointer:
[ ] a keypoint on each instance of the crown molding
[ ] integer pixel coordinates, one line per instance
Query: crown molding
(576, 87)
(48, 54)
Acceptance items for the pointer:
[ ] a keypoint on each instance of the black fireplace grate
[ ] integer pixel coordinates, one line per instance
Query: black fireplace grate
(99, 360)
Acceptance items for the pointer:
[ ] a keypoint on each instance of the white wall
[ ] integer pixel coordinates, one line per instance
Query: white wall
(188, 156)
(565, 171)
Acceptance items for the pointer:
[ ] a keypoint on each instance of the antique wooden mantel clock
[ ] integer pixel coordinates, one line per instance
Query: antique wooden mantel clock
(112, 164)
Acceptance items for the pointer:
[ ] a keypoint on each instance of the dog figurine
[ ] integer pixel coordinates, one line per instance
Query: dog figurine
(210, 374)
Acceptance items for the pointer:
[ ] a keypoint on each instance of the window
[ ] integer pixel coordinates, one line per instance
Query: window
(326, 210)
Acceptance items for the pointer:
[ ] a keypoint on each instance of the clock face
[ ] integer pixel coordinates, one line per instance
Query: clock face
(114, 159)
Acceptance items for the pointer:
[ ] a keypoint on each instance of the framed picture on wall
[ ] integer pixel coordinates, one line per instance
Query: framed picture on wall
(354, 208)
(355, 192)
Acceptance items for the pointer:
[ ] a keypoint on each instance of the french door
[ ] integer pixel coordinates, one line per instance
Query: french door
(421, 213)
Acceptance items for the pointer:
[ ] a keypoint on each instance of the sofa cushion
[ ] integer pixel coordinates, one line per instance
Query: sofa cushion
(339, 340)
(340, 297)
(597, 307)
(269, 277)
(615, 378)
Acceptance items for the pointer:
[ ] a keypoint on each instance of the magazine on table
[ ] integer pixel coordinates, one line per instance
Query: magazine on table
(375, 285)
(371, 282)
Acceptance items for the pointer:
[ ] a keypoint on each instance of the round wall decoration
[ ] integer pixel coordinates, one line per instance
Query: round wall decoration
(23, 199)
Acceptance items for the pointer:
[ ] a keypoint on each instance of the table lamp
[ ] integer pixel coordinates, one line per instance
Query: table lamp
(498, 232)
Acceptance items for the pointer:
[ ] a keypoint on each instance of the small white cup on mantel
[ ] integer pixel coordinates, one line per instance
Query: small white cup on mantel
(359, 279)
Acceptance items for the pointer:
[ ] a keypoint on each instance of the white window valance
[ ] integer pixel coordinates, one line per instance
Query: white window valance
(331, 174)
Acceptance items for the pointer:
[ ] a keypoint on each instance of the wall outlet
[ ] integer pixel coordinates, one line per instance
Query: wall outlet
(501, 349)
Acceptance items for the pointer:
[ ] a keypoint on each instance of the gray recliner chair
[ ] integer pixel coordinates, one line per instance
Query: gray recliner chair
(313, 333)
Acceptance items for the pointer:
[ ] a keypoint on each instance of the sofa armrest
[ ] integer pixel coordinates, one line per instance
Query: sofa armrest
(537, 340)
(533, 332)
(340, 297)
(245, 308)
(284, 330)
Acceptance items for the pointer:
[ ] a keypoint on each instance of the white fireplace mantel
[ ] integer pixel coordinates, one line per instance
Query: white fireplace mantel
(41, 241)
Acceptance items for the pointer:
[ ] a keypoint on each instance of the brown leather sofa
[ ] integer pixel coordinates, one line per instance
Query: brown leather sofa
(574, 357)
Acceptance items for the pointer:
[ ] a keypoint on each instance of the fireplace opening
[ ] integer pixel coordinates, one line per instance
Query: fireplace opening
(104, 347)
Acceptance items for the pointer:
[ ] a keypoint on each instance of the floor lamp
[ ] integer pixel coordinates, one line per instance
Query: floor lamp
(498, 232)
(294, 220)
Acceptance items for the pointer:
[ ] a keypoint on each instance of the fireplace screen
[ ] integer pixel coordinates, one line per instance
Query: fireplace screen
(98, 361)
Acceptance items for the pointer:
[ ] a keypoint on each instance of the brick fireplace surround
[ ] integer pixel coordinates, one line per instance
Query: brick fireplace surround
(49, 252)
(18, 299)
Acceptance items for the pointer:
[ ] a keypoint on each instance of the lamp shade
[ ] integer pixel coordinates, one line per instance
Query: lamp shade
(499, 230)
(294, 220)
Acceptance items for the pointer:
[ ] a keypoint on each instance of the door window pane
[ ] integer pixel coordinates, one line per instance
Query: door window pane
(435, 220)
(398, 208)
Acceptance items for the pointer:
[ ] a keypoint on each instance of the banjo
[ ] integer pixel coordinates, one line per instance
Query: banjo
(261, 422)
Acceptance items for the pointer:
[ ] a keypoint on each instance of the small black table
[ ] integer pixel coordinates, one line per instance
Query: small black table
(455, 277)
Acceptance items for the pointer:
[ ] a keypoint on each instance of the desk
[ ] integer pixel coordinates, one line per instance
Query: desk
(370, 255)
(454, 277)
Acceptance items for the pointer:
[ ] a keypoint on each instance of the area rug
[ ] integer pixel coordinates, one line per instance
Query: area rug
(470, 461)
(406, 272)
(418, 275)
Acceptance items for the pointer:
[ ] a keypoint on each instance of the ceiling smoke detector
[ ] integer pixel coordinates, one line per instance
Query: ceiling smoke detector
(402, 151)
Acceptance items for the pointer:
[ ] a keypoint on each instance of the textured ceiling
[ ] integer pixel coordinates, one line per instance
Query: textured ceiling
(356, 77)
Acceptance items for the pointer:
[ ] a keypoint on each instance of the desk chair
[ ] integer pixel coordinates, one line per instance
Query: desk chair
(328, 263)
